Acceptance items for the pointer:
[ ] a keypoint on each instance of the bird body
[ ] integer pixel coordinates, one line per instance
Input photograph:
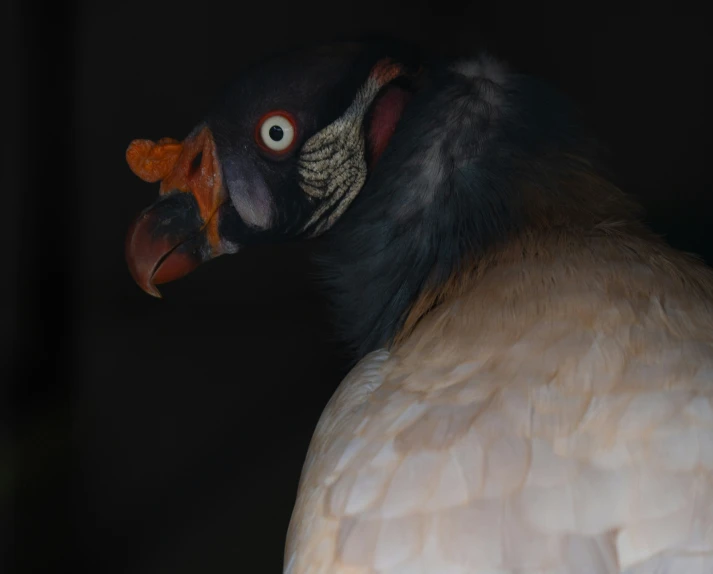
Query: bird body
(554, 418)
(536, 375)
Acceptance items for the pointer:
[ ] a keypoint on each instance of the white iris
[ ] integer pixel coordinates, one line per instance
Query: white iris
(277, 133)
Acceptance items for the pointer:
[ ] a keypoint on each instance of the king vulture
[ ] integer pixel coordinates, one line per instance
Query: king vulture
(534, 390)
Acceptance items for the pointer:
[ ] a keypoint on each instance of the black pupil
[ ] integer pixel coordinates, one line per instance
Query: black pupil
(276, 133)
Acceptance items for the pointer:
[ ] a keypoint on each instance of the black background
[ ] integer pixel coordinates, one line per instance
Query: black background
(157, 436)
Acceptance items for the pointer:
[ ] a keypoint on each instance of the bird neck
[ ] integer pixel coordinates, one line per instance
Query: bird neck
(463, 178)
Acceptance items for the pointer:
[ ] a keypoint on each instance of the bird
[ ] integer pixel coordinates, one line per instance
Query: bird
(532, 388)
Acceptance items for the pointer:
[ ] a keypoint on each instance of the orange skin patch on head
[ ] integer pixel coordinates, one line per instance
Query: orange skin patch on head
(152, 161)
(386, 70)
(191, 166)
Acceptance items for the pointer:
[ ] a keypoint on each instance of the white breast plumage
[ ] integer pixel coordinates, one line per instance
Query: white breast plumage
(570, 430)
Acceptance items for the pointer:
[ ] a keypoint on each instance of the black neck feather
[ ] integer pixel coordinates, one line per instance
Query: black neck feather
(446, 189)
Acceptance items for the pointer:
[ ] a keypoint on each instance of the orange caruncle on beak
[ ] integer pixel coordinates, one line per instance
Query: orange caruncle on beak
(169, 239)
(153, 161)
(191, 166)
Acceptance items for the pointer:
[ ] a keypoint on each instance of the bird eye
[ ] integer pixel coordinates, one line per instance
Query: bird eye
(276, 132)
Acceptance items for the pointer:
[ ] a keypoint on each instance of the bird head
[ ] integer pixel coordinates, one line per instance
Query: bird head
(282, 153)
(421, 174)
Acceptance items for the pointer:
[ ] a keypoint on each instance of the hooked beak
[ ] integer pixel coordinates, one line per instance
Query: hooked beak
(179, 231)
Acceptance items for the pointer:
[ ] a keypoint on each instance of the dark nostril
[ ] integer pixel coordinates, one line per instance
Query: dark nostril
(196, 163)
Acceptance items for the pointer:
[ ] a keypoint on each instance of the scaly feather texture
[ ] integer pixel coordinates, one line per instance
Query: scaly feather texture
(557, 417)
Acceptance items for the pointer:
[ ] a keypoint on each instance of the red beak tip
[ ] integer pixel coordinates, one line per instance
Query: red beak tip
(151, 290)
(146, 284)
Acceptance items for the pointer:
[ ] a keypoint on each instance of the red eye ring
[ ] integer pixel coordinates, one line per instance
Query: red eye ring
(287, 127)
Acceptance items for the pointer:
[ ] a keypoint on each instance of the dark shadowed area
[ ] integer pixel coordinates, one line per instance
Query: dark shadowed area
(147, 436)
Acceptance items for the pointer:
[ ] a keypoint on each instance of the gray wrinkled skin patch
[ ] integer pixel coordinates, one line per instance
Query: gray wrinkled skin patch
(332, 166)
